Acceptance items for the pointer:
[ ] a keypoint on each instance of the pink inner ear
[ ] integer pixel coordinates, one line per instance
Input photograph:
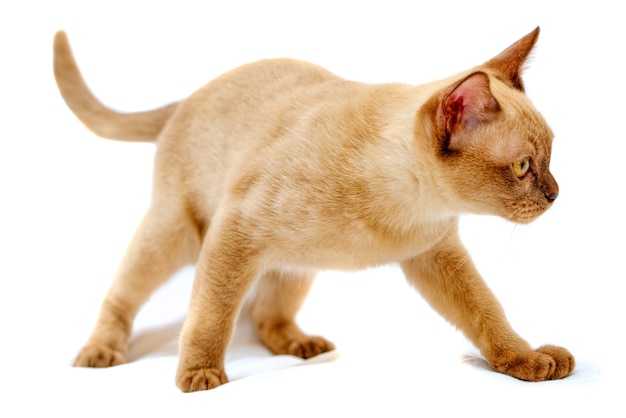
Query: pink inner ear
(468, 106)
(453, 110)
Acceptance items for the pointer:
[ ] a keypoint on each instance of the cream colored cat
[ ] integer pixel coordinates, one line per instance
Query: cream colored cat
(279, 168)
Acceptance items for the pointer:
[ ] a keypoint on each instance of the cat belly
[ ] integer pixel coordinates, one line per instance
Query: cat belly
(357, 251)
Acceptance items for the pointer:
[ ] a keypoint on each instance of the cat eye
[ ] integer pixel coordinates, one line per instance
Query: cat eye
(520, 167)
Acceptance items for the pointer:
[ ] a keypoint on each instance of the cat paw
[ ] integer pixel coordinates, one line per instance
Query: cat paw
(309, 347)
(99, 356)
(200, 379)
(564, 360)
(546, 363)
(288, 338)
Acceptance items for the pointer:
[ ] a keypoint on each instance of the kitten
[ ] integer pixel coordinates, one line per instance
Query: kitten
(279, 168)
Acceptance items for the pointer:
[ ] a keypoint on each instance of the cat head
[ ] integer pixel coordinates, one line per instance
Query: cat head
(493, 147)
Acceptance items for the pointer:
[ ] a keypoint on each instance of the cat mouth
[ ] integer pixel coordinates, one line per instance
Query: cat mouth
(524, 219)
(526, 214)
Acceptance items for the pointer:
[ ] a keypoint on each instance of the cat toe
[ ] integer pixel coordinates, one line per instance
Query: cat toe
(200, 379)
(309, 347)
(564, 361)
(99, 356)
(546, 363)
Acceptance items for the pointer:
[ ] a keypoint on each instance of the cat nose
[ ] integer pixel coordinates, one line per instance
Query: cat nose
(550, 187)
(551, 196)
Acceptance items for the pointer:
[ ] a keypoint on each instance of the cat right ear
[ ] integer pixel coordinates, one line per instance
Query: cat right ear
(468, 105)
(510, 62)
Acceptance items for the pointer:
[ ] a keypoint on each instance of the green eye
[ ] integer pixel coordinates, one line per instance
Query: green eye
(520, 167)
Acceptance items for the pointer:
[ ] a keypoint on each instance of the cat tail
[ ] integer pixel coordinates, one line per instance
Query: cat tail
(104, 122)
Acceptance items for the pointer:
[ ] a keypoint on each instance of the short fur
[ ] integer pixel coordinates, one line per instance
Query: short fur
(279, 168)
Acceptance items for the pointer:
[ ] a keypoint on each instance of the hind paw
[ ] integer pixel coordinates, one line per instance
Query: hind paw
(99, 356)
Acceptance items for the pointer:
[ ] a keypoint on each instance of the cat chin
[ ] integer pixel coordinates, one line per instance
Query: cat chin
(517, 217)
(525, 219)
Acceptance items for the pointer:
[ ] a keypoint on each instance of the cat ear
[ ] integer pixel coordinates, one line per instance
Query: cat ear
(469, 105)
(509, 63)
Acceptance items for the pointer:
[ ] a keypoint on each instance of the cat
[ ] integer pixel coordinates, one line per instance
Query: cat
(279, 168)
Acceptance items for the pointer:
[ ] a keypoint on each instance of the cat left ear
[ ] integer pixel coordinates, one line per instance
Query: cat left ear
(468, 105)
(509, 63)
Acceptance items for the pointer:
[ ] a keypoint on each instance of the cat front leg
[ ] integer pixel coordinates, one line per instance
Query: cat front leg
(448, 280)
(226, 270)
(279, 296)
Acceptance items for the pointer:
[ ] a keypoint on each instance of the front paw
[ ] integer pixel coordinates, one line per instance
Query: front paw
(546, 363)
(309, 347)
(194, 380)
(564, 360)
(99, 356)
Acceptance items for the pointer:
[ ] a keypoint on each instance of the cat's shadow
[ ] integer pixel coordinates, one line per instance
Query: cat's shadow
(476, 362)
(162, 341)
(159, 341)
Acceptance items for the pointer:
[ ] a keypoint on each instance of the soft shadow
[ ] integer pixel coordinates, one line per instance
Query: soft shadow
(476, 361)
(158, 341)
(162, 341)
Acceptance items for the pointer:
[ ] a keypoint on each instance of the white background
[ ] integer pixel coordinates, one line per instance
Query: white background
(70, 203)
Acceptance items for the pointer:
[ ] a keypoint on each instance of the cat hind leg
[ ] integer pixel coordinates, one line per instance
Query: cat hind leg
(161, 245)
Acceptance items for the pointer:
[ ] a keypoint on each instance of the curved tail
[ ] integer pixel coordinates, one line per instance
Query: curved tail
(104, 122)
